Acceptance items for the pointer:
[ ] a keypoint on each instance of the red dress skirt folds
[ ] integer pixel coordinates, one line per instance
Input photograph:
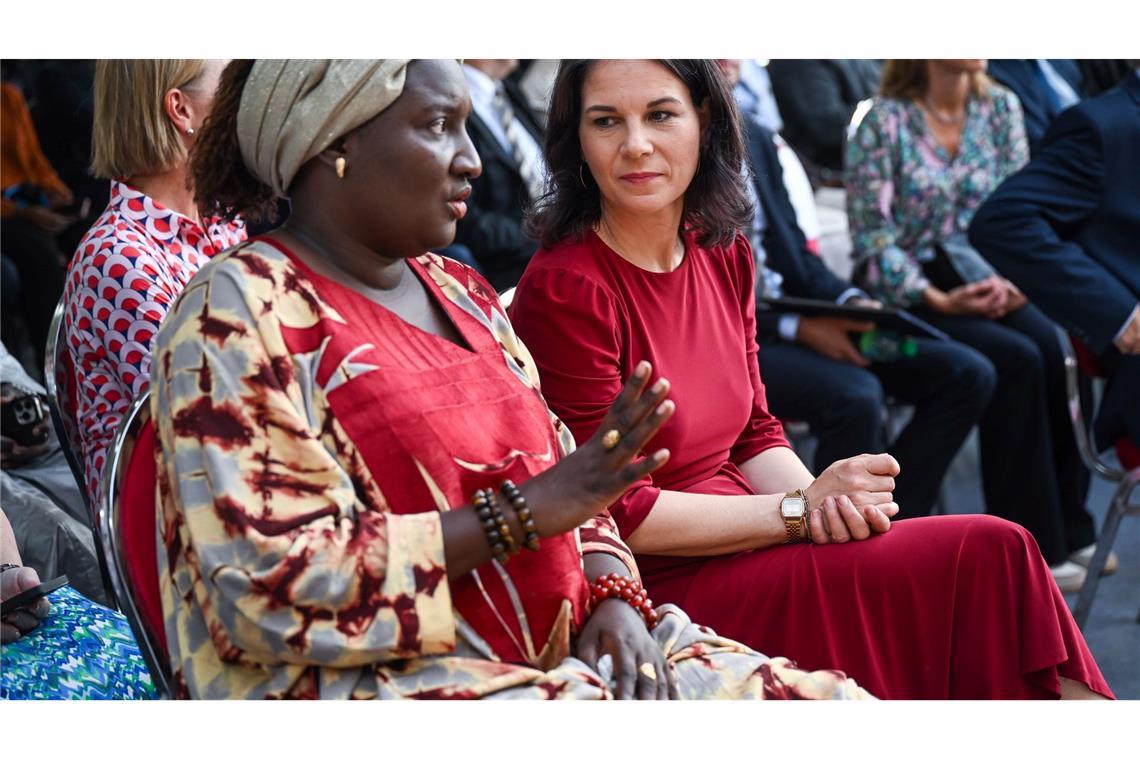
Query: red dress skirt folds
(940, 607)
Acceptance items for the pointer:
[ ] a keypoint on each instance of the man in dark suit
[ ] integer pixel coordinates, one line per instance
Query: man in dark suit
(813, 372)
(509, 142)
(816, 99)
(1044, 87)
(1066, 230)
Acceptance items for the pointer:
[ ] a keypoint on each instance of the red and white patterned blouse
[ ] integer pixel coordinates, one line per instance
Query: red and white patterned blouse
(126, 272)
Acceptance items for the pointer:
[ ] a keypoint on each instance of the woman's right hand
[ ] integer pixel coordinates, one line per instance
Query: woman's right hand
(853, 498)
(593, 477)
(984, 298)
(16, 624)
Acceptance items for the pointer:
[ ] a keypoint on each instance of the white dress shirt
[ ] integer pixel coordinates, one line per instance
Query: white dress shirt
(482, 97)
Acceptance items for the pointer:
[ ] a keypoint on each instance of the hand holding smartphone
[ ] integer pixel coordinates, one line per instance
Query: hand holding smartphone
(28, 597)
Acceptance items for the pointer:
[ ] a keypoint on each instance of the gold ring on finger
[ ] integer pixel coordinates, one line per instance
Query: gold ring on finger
(648, 671)
(611, 439)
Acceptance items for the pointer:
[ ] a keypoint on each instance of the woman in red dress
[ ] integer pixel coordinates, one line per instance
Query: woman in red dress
(641, 259)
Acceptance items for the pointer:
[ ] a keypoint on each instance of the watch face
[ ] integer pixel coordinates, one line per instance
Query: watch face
(792, 507)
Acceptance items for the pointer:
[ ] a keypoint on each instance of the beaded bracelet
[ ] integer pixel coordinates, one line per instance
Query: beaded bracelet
(486, 514)
(617, 586)
(518, 503)
(503, 525)
(495, 525)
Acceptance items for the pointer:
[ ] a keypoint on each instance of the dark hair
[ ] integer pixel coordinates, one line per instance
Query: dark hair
(222, 183)
(716, 202)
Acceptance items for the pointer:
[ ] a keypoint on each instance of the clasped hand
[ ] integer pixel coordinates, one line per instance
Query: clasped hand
(853, 499)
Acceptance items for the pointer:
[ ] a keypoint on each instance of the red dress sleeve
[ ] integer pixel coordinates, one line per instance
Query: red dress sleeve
(763, 431)
(572, 327)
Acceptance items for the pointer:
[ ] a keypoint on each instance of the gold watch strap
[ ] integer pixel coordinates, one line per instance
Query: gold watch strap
(798, 531)
(793, 531)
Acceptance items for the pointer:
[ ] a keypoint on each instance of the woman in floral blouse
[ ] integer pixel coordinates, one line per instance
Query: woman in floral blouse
(940, 138)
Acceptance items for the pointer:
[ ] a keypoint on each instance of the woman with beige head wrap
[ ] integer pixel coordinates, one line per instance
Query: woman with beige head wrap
(363, 491)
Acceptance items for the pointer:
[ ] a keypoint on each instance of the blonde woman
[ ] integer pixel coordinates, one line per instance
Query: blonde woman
(148, 243)
(934, 145)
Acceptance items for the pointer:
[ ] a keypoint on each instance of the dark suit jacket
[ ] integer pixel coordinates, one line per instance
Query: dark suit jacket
(816, 99)
(805, 274)
(1021, 76)
(1066, 228)
(492, 228)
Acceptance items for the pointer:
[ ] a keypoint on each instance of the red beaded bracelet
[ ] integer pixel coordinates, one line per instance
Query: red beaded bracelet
(616, 586)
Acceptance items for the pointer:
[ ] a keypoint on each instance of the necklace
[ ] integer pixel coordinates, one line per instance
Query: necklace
(952, 121)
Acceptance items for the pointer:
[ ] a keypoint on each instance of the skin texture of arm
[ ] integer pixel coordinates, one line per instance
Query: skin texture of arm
(850, 496)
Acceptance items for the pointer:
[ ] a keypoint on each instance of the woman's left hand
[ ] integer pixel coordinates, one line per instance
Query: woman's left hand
(838, 521)
(617, 629)
(1014, 299)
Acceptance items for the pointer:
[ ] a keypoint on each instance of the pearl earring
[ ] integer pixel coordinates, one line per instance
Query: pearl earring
(341, 164)
(189, 130)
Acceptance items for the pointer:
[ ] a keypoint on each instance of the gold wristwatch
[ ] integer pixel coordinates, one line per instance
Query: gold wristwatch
(794, 509)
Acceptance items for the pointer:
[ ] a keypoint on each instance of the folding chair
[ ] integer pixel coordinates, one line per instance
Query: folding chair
(1079, 359)
(128, 533)
(59, 377)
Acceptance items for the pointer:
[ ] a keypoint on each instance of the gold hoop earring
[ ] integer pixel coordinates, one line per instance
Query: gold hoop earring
(341, 165)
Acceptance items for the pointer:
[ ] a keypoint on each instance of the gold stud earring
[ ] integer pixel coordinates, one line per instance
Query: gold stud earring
(341, 165)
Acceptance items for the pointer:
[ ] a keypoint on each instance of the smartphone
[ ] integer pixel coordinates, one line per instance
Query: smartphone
(27, 598)
(19, 418)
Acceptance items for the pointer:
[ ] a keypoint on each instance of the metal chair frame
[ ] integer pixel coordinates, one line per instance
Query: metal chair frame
(1126, 483)
(110, 524)
(58, 379)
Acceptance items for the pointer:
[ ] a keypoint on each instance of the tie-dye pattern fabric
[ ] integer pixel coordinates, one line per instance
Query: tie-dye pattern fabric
(905, 192)
(81, 650)
(307, 458)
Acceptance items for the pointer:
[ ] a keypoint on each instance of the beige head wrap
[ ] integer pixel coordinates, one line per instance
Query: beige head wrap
(291, 110)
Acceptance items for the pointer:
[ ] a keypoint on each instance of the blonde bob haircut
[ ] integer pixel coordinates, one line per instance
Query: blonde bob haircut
(906, 78)
(132, 133)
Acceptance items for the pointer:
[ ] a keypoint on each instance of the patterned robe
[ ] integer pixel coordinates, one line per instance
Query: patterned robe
(310, 442)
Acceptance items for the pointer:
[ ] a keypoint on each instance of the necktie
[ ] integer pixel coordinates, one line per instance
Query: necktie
(524, 160)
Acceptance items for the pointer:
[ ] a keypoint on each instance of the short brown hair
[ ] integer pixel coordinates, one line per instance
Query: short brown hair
(716, 202)
(132, 134)
(906, 78)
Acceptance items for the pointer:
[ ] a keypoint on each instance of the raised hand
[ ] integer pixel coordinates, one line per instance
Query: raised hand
(602, 468)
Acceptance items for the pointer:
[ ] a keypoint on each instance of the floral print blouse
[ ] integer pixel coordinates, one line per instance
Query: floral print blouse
(905, 192)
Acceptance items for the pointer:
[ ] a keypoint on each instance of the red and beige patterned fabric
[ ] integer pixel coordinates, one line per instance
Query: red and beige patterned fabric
(310, 441)
(127, 270)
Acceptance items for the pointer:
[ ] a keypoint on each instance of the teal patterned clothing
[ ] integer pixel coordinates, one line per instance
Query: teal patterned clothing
(82, 650)
(905, 192)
